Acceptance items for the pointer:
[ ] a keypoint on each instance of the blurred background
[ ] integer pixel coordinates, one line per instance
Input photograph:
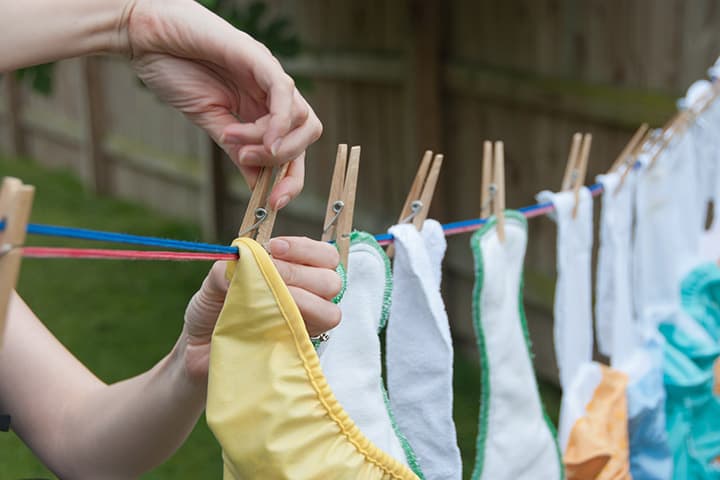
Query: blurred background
(396, 77)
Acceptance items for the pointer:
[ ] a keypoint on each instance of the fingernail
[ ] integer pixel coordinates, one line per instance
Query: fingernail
(278, 246)
(249, 158)
(282, 202)
(276, 146)
(229, 138)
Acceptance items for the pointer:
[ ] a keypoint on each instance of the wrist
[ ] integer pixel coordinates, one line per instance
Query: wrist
(119, 38)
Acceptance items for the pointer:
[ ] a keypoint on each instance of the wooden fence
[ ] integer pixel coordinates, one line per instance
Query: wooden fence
(398, 77)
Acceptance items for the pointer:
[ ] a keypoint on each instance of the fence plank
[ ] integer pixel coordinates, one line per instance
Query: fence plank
(213, 192)
(13, 97)
(96, 169)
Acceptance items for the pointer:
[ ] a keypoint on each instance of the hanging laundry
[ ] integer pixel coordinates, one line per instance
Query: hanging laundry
(597, 446)
(617, 333)
(278, 418)
(572, 329)
(419, 351)
(703, 131)
(515, 439)
(633, 350)
(593, 413)
(351, 358)
(693, 411)
(667, 195)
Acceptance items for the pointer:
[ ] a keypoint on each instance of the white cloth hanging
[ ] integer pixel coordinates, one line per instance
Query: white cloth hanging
(419, 351)
(668, 224)
(572, 309)
(592, 430)
(515, 438)
(636, 352)
(704, 131)
(350, 359)
(617, 334)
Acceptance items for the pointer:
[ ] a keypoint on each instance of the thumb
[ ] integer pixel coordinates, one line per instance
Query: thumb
(204, 308)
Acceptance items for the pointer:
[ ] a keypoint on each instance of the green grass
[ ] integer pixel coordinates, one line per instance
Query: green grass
(121, 317)
(117, 317)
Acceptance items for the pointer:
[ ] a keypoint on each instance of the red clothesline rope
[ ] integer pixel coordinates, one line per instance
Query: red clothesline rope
(93, 253)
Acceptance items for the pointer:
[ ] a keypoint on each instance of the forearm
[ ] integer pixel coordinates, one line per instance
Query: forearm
(128, 428)
(40, 31)
(78, 426)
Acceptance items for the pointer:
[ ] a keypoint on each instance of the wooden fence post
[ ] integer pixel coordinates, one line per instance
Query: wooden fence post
(425, 82)
(95, 169)
(213, 192)
(13, 98)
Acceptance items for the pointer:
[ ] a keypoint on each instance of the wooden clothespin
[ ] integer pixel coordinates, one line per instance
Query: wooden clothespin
(259, 217)
(672, 127)
(492, 200)
(15, 206)
(499, 180)
(418, 201)
(643, 144)
(487, 188)
(341, 201)
(576, 168)
(625, 154)
(571, 168)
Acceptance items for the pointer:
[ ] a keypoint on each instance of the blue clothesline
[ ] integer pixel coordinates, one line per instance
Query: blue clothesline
(125, 238)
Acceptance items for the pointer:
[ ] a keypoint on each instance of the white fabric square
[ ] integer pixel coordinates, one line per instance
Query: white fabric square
(419, 351)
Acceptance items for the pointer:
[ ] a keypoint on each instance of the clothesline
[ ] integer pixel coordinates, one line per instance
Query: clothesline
(199, 250)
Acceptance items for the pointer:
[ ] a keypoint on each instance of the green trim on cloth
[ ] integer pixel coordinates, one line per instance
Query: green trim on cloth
(368, 239)
(481, 440)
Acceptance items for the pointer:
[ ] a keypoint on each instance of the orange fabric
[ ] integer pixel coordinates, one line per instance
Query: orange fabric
(598, 443)
(716, 375)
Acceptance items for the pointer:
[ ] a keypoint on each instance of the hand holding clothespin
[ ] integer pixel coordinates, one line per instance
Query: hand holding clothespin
(341, 201)
(492, 200)
(15, 205)
(419, 198)
(576, 167)
(259, 217)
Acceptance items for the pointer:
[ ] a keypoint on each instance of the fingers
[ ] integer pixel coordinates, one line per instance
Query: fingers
(281, 97)
(204, 307)
(323, 282)
(305, 130)
(215, 284)
(304, 251)
(300, 138)
(308, 268)
(290, 186)
(319, 315)
(246, 133)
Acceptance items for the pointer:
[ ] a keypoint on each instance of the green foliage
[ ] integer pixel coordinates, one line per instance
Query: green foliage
(39, 77)
(273, 33)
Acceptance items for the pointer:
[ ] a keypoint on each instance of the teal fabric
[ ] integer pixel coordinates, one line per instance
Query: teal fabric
(692, 410)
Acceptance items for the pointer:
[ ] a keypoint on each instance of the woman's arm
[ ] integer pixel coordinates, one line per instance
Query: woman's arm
(219, 77)
(82, 428)
(78, 426)
(41, 31)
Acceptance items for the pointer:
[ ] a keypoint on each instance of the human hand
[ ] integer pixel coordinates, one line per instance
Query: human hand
(227, 83)
(308, 269)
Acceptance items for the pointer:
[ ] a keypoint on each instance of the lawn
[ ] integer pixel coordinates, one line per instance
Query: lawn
(121, 317)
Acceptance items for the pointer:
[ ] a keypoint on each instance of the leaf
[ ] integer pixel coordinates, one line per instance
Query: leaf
(39, 77)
